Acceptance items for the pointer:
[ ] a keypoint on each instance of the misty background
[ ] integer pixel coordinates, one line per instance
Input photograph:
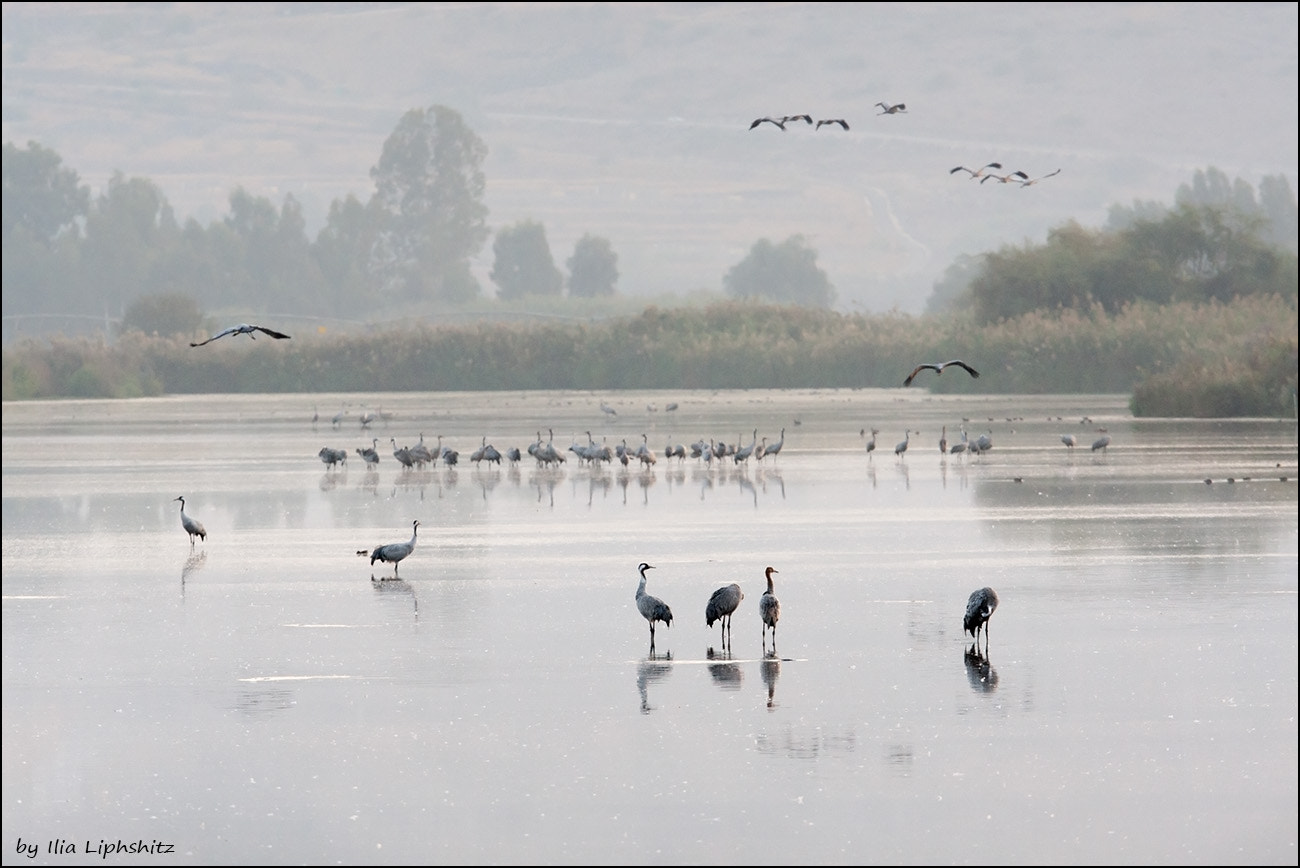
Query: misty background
(631, 122)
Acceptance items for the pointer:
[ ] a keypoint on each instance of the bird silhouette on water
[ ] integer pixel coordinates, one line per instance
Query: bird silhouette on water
(651, 608)
(938, 367)
(396, 552)
(720, 607)
(192, 526)
(979, 608)
(243, 329)
(769, 610)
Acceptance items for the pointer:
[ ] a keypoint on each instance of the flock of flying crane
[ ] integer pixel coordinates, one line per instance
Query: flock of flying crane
(1016, 177)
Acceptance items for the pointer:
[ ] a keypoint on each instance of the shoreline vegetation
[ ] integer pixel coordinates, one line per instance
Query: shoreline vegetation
(1208, 360)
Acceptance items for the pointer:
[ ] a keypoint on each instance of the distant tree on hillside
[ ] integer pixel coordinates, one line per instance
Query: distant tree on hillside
(428, 205)
(40, 195)
(785, 273)
(523, 264)
(593, 268)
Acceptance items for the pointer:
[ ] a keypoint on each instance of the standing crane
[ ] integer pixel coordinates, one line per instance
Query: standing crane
(394, 553)
(651, 608)
(720, 608)
(979, 608)
(769, 610)
(192, 526)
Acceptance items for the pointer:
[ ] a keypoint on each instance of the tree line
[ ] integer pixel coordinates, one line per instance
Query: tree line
(409, 243)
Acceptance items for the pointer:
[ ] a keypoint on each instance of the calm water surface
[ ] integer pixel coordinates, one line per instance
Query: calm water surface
(265, 696)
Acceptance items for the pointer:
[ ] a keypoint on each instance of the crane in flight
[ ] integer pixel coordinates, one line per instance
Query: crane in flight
(243, 329)
(892, 109)
(938, 369)
(974, 173)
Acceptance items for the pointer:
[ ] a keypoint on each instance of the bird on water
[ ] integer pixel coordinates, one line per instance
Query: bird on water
(720, 608)
(394, 553)
(769, 610)
(192, 526)
(243, 329)
(938, 367)
(979, 608)
(651, 608)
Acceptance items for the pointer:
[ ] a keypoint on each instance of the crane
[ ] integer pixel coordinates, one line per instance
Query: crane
(938, 367)
(244, 329)
(720, 607)
(192, 526)
(394, 553)
(651, 608)
(769, 610)
(979, 608)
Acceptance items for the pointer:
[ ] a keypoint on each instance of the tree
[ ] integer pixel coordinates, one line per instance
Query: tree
(429, 203)
(40, 196)
(593, 268)
(523, 265)
(785, 273)
(130, 229)
(341, 251)
(166, 315)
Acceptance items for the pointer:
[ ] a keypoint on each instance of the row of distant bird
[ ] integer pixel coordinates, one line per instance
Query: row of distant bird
(886, 109)
(1016, 177)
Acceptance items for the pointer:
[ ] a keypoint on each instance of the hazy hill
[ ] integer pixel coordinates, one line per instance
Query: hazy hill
(630, 121)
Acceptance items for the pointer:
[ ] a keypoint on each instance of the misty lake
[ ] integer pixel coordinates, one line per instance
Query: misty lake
(266, 696)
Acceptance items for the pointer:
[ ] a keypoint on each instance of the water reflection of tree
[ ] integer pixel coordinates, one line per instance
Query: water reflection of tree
(648, 672)
(983, 677)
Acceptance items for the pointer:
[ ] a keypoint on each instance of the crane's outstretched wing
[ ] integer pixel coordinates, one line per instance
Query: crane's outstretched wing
(274, 334)
(918, 369)
(221, 334)
(959, 363)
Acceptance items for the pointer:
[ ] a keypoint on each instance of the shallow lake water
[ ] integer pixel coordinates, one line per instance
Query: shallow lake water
(267, 696)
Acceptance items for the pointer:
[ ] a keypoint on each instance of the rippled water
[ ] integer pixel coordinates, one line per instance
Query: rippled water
(258, 698)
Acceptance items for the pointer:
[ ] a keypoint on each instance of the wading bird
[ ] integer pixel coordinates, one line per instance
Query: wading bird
(394, 553)
(243, 329)
(769, 610)
(1101, 443)
(773, 121)
(832, 121)
(938, 369)
(901, 447)
(943, 441)
(974, 173)
(192, 526)
(651, 608)
(1070, 440)
(892, 109)
(720, 608)
(871, 444)
(979, 608)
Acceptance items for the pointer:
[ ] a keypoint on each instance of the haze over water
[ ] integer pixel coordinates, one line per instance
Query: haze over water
(265, 696)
